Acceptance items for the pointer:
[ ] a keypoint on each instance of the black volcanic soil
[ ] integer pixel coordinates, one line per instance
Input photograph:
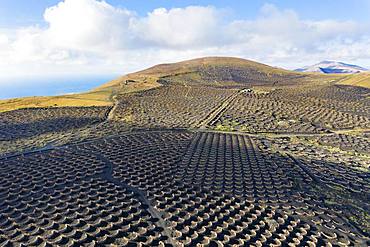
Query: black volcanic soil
(223, 154)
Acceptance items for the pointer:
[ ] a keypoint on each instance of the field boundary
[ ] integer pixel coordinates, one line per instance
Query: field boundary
(214, 115)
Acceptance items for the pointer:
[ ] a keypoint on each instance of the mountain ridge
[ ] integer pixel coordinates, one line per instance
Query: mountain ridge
(332, 67)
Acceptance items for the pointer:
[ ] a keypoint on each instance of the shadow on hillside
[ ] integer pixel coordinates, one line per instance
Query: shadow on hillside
(28, 128)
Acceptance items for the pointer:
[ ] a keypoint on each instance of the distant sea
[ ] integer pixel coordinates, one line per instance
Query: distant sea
(15, 88)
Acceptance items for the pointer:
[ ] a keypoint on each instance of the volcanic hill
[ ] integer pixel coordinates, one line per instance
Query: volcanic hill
(213, 151)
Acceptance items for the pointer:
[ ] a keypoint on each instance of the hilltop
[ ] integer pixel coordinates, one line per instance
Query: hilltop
(222, 71)
(211, 71)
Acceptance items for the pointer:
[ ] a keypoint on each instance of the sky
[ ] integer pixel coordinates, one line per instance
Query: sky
(50, 39)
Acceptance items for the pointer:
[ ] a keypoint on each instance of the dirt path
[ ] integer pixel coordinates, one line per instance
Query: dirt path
(214, 115)
(349, 131)
(108, 176)
(51, 145)
(188, 89)
(110, 115)
(140, 195)
(279, 135)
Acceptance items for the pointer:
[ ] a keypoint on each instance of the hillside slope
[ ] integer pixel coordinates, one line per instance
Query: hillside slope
(358, 80)
(224, 71)
(214, 71)
(96, 98)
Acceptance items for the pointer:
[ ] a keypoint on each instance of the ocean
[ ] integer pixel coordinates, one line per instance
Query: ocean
(50, 86)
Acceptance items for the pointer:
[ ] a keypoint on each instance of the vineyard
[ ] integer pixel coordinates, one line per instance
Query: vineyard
(223, 153)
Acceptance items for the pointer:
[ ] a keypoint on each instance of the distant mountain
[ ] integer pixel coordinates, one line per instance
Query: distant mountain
(332, 67)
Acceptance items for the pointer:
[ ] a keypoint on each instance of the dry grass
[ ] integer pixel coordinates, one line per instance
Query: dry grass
(55, 101)
(190, 65)
(100, 96)
(359, 80)
(141, 83)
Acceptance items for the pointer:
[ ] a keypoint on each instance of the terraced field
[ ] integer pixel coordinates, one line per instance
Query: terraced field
(307, 110)
(35, 121)
(224, 153)
(170, 106)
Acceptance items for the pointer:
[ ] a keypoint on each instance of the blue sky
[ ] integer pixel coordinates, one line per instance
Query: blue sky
(51, 39)
(26, 12)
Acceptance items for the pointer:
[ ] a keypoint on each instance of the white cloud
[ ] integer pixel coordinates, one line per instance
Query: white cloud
(88, 24)
(4, 48)
(91, 36)
(280, 36)
(190, 27)
(4, 40)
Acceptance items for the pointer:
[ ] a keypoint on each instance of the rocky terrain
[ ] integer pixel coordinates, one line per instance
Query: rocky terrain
(206, 152)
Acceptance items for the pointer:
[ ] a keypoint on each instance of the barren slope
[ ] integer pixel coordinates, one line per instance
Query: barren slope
(226, 71)
(359, 80)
